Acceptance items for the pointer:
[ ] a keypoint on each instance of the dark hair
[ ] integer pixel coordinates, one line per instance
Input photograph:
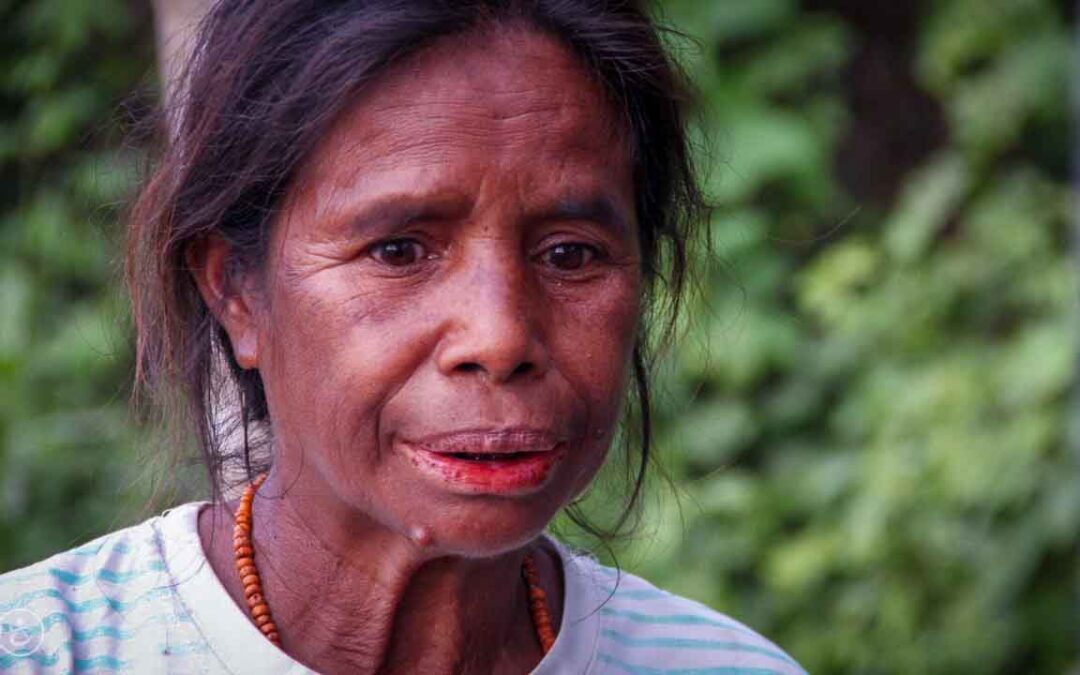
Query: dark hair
(266, 80)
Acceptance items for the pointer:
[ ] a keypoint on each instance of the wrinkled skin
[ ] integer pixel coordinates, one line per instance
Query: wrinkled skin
(460, 253)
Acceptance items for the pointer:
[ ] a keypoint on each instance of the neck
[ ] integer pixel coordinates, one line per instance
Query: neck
(349, 595)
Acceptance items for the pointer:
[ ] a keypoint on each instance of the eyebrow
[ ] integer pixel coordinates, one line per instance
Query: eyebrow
(597, 208)
(401, 209)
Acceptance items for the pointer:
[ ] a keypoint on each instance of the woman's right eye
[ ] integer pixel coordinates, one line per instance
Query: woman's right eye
(398, 252)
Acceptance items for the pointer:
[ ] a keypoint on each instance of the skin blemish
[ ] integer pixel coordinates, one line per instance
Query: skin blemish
(421, 535)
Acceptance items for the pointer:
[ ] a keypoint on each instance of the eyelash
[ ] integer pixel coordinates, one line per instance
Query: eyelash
(591, 253)
(386, 243)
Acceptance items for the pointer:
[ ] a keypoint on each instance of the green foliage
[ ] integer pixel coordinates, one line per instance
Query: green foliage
(68, 468)
(867, 419)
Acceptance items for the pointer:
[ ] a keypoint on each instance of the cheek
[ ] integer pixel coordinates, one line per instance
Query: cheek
(335, 347)
(593, 335)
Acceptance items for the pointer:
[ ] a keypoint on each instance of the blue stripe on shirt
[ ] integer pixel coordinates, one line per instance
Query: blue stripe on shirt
(635, 669)
(86, 605)
(692, 643)
(674, 619)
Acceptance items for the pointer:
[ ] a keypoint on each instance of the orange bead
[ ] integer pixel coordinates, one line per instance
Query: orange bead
(244, 562)
(268, 627)
(244, 551)
(249, 579)
(259, 610)
(538, 609)
(262, 620)
(254, 599)
(252, 589)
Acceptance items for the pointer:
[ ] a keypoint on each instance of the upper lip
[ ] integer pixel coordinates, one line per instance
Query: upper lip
(489, 441)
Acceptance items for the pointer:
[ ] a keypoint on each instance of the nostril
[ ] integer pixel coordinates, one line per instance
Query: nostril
(523, 368)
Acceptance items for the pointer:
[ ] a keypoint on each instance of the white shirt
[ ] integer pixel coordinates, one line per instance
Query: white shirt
(145, 600)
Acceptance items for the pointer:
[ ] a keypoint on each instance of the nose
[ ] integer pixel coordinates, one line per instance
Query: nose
(492, 328)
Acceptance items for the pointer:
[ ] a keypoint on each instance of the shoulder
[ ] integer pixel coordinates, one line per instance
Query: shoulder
(645, 629)
(70, 612)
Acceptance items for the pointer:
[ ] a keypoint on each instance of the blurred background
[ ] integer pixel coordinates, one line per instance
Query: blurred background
(870, 421)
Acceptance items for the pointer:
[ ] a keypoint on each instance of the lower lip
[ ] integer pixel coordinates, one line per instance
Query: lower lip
(495, 476)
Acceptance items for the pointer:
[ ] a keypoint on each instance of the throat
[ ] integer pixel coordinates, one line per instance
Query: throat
(375, 606)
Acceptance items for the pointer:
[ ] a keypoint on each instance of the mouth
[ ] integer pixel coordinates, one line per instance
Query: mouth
(497, 462)
(493, 457)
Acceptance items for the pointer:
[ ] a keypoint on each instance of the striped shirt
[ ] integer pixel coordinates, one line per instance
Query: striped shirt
(145, 600)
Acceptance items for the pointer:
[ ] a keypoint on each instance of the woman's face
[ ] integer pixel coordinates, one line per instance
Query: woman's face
(452, 295)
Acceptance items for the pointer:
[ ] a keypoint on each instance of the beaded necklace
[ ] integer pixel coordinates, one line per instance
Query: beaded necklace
(244, 547)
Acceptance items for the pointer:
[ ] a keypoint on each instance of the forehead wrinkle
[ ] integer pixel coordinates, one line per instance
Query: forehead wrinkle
(481, 110)
(427, 150)
(488, 125)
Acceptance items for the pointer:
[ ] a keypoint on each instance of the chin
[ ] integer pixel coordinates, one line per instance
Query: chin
(483, 527)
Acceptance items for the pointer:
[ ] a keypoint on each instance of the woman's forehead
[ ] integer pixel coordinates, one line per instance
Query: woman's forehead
(505, 72)
(517, 110)
(517, 90)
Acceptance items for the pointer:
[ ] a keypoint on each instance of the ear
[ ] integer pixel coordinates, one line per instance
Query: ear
(229, 299)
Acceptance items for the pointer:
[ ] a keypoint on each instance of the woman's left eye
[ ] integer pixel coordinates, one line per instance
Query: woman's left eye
(570, 257)
(398, 252)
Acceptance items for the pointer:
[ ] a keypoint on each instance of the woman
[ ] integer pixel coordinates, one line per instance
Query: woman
(423, 236)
